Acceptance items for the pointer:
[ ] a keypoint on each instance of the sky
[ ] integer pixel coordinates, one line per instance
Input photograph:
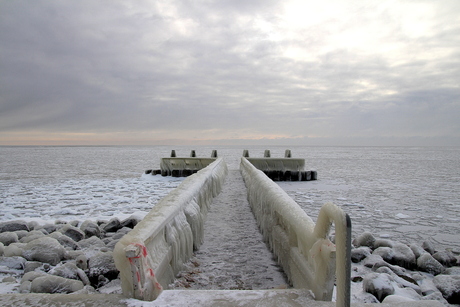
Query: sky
(92, 72)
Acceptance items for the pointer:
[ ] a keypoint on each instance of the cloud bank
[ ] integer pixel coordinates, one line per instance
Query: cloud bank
(300, 72)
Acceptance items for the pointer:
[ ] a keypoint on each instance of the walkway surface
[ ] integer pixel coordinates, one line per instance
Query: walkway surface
(233, 254)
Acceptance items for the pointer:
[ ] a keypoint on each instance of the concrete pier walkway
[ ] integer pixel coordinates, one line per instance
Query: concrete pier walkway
(233, 254)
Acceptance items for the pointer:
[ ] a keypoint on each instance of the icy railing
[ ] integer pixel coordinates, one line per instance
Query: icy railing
(150, 255)
(302, 248)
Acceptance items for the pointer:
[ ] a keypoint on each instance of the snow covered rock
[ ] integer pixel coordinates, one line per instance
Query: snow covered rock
(445, 257)
(30, 266)
(358, 254)
(102, 264)
(386, 253)
(403, 256)
(428, 264)
(14, 249)
(129, 222)
(66, 270)
(429, 247)
(390, 299)
(383, 243)
(15, 262)
(90, 229)
(82, 262)
(30, 276)
(65, 241)
(14, 226)
(55, 284)
(8, 237)
(113, 225)
(449, 285)
(44, 249)
(417, 250)
(2, 249)
(379, 285)
(72, 232)
(365, 239)
(34, 234)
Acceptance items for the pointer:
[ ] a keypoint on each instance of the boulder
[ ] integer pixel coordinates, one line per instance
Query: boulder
(102, 264)
(113, 225)
(30, 276)
(379, 285)
(34, 234)
(445, 257)
(130, 222)
(428, 264)
(14, 226)
(30, 266)
(44, 249)
(449, 285)
(360, 253)
(386, 253)
(72, 232)
(90, 229)
(15, 262)
(55, 284)
(417, 250)
(383, 243)
(64, 240)
(428, 247)
(14, 249)
(403, 256)
(8, 237)
(365, 239)
(66, 270)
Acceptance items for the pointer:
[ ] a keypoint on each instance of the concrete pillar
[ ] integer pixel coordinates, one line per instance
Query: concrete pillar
(246, 153)
(287, 153)
(214, 154)
(267, 153)
(173, 153)
(192, 154)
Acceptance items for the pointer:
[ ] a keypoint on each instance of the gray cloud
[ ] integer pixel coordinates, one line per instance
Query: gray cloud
(227, 70)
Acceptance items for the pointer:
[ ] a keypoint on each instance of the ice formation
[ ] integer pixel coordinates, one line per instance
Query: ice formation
(151, 254)
(178, 166)
(302, 248)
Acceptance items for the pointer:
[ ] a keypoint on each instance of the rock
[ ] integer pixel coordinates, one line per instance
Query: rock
(385, 252)
(417, 250)
(129, 222)
(452, 271)
(449, 285)
(25, 287)
(55, 284)
(435, 296)
(428, 264)
(102, 264)
(360, 253)
(403, 256)
(34, 234)
(92, 242)
(86, 290)
(72, 232)
(32, 225)
(50, 228)
(402, 282)
(383, 243)
(445, 257)
(30, 266)
(14, 226)
(8, 237)
(44, 249)
(429, 247)
(15, 262)
(379, 285)
(21, 233)
(64, 240)
(365, 239)
(29, 276)
(90, 229)
(66, 270)
(391, 299)
(113, 225)
(82, 262)
(14, 249)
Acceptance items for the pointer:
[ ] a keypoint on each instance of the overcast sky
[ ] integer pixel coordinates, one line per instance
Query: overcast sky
(230, 72)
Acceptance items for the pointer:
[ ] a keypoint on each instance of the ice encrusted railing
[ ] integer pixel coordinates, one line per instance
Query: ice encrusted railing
(150, 255)
(302, 247)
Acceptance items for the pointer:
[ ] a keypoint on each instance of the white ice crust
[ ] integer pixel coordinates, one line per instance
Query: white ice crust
(302, 248)
(165, 239)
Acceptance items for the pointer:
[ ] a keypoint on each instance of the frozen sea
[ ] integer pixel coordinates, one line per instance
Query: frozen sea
(408, 194)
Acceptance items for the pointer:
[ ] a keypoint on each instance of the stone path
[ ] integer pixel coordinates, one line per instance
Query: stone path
(233, 254)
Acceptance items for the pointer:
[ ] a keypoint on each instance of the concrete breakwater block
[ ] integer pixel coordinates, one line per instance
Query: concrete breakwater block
(292, 175)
